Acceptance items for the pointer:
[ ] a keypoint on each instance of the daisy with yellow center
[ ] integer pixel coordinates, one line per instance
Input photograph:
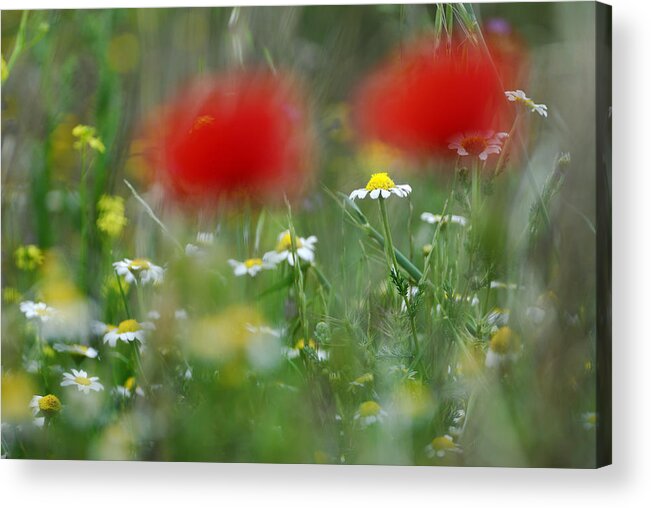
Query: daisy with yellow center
(478, 144)
(251, 266)
(76, 349)
(441, 446)
(382, 186)
(310, 348)
(46, 406)
(590, 420)
(283, 252)
(503, 347)
(518, 96)
(129, 388)
(127, 331)
(141, 268)
(37, 310)
(370, 412)
(80, 379)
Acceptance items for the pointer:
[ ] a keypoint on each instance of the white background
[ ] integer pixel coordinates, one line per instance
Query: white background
(625, 484)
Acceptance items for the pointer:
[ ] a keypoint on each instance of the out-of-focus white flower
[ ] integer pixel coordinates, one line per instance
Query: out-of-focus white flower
(311, 347)
(520, 97)
(80, 379)
(76, 349)
(590, 420)
(127, 331)
(431, 218)
(139, 269)
(478, 144)
(129, 388)
(503, 347)
(251, 266)
(38, 311)
(70, 319)
(369, 412)
(441, 446)
(382, 186)
(304, 249)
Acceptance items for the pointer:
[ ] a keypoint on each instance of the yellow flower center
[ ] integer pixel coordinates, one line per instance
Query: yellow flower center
(250, 263)
(49, 404)
(139, 264)
(285, 243)
(369, 408)
(591, 419)
(442, 443)
(130, 325)
(82, 381)
(42, 312)
(301, 344)
(503, 340)
(130, 383)
(474, 145)
(380, 181)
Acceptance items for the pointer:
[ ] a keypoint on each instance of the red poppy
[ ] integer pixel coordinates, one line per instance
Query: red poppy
(243, 135)
(424, 95)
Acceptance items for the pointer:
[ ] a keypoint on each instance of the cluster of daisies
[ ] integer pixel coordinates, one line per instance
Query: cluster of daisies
(289, 249)
(133, 271)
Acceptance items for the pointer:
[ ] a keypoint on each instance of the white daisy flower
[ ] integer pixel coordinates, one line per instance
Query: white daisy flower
(140, 268)
(251, 266)
(76, 349)
(127, 331)
(478, 144)
(590, 420)
(441, 446)
(380, 185)
(128, 389)
(44, 406)
(311, 346)
(504, 347)
(204, 239)
(521, 97)
(431, 218)
(304, 249)
(80, 379)
(38, 310)
(369, 412)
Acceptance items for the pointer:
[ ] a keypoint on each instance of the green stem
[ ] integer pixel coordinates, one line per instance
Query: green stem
(83, 209)
(19, 44)
(391, 259)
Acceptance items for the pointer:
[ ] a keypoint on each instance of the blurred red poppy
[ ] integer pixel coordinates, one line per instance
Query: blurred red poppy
(242, 135)
(425, 94)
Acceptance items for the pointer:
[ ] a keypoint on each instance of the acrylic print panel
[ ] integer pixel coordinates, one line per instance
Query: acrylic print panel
(370, 234)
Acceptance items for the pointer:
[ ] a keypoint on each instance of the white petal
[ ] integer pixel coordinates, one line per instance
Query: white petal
(385, 193)
(375, 193)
